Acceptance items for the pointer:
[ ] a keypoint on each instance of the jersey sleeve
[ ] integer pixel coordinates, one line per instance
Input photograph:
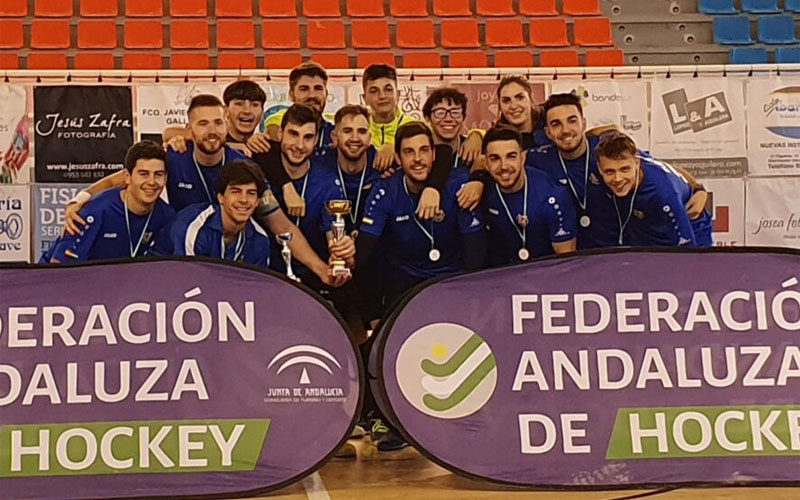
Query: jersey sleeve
(175, 238)
(77, 247)
(560, 214)
(267, 204)
(677, 218)
(470, 221)
(378, 210)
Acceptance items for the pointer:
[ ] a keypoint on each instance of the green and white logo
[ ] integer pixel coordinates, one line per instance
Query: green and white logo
(446, 371)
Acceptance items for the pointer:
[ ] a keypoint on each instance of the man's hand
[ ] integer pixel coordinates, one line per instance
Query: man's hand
(384, 158)
(258, 143)
(470, 194)
(295, 204)
(428, 205)
(177, 144)
(471, 148)
(238, 146)
(72, 219)
(334, 280)
(344, 249)
(696, 204)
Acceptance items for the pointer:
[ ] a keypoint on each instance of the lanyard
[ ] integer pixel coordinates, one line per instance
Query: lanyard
(302, 195)
(630, 212)
(429, 235)
(135, 250)
(456, 153)
(585, 180)
(523, 233)
(203, 179)
(239, 246)
(354, 213)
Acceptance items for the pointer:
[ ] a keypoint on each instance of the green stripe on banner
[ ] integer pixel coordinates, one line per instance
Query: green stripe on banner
(456, 360)
(133, 447)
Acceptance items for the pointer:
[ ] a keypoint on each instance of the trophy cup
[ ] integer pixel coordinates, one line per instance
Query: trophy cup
(338, 208)
(286, 253)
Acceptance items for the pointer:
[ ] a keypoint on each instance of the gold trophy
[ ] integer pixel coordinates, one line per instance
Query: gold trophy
(286, 253)
(338, 208)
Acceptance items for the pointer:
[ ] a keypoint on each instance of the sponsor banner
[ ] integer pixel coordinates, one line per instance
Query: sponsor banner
(15, 136)
(192, 378)
(82, 132)
(773, 125)
(699, 124)
(773, 214)
(604, 370)
(612, 102)
(15, 229)
(726, 205)
(49, 201)
(163, 106)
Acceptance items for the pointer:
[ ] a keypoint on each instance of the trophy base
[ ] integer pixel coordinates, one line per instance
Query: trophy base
(339, 268)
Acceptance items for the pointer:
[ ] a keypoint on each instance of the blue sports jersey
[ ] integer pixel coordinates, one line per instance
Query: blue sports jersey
(188, 182)
(107, 235)
(390, 214)
(550, 218)
(585, 188)
(197, 231)
(658, 216)
(352, 182)
(324, 146)
(316, 187)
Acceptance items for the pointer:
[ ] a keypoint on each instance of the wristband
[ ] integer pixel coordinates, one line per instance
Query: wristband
(81, 198)
(481, 176)
(698, 187)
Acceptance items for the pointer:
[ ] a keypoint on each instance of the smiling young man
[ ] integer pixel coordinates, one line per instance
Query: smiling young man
(125, 221)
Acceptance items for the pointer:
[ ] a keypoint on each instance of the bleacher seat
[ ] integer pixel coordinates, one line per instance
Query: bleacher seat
(187, 8)
(46, 60)
(580, 7)
(97, 34)
(513, 58)
(365, 58)
(335, 60)
(236, 60)
(321, 8)
(143, 35)
(365, 8)
(760, 6)
(235, 34)
(415, 34)
(749, 55)
(408, 8)
(460, 33)
(327, 34)
(494, 8)
(11, 34)
(188, 35)
(504, 33)
(605, 57)
(233, 8)
(13, 8)
(549, 32)
(188, 60)
(732, 30)
(141, 60)
(468, 59)
(282, 60)
(369, 34)
(49, 34)
(98, 8)
(53, 8)
(9, 60)
(777, 30)
(421, 59)
(451, 8)
(277, 8)
(714, 7)
(143, 8)
(787, 55)
(93, 60)
(558, 58)
(592, 32)
(282, 34)
(791, 5)
(538, 8)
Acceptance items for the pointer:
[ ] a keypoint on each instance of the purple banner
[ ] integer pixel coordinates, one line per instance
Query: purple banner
(167, 379)
(604, 370)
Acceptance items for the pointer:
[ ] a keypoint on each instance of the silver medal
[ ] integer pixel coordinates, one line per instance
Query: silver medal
(434, 255)
(585, 221)
(524, 254)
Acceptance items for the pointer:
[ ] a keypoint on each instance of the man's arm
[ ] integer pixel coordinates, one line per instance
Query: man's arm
(171, 132)
(71, 216)
(277, 177)
(565, 246)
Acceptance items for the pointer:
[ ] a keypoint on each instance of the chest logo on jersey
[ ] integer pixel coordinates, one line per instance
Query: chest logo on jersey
(147, 237)
(593, 179)
(494, 211)
(402, 218)
(639, 214)
(110, 236)
(184, 185)
(563, 181)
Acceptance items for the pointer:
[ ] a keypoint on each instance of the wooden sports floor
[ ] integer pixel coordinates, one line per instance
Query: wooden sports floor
(407, 475)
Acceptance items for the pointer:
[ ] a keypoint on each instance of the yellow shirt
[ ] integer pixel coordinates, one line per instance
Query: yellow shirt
(275, 118)
(383, 133)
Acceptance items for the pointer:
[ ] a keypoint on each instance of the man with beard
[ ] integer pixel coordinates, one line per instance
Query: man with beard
(224, 230)
(122, 222)
(527, 214)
